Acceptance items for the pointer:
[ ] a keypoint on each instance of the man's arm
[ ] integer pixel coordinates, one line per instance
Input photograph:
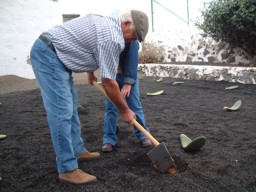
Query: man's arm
(108, 54)
(112, 90)
(129, 65)
(91, 77)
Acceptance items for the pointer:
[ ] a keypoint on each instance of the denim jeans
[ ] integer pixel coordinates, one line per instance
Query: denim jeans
(60, 102)
(110, 117)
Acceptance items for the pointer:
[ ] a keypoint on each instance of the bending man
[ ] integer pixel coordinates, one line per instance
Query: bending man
(83, 44)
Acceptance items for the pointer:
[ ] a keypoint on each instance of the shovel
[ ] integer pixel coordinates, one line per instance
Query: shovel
(159, 155)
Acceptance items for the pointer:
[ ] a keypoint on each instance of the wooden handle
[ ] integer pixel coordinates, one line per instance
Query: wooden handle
(134, 122)
(143, 130)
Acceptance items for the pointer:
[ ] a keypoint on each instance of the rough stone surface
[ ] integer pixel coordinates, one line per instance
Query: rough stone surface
(246, 75)
(188, 55)
(188, 45)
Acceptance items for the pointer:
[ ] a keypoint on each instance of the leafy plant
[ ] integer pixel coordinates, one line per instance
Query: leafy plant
(80, 109)
(235, 107)
(2, 136)
(232, 22)
(156, 93)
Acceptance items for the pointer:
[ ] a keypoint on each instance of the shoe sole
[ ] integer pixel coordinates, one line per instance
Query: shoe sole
(108, 150)
(67, 181)
(88, 159)
(147, 145)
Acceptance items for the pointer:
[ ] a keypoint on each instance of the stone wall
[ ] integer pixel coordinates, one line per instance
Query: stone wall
(189, 46)
(186, 54)
(246, 75)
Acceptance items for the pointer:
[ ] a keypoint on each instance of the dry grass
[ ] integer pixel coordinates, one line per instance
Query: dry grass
(151, 53)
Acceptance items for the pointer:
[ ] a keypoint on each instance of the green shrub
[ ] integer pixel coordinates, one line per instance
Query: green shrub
(232, 22)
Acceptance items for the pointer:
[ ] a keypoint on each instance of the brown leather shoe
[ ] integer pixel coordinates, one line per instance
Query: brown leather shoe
(77, 177)
(146, 143)
(88, 155)
(106, 148)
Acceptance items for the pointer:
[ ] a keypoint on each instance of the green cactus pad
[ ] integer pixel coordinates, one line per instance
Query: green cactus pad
(192, 145)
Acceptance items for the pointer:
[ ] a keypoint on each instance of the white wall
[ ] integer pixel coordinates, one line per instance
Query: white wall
(22, 21)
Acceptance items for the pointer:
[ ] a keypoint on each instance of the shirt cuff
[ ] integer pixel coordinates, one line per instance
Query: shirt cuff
(128, 80)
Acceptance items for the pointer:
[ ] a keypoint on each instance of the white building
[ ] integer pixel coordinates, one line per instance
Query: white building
(22, 21)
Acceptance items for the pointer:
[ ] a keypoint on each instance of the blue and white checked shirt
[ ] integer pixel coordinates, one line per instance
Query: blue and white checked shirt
(87, 43)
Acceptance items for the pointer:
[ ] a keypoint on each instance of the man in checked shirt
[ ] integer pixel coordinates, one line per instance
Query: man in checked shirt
(83, 44)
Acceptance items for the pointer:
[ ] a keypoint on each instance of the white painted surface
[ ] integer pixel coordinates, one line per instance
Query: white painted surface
(22, 21)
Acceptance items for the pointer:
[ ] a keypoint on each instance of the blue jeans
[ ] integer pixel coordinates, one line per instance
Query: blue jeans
(60, 102)
(110, 117)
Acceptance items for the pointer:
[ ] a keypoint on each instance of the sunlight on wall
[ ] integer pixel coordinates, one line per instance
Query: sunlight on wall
(22, 21)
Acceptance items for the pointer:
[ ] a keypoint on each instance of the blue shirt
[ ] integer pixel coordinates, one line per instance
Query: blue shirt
(129, 60)
(87, 43)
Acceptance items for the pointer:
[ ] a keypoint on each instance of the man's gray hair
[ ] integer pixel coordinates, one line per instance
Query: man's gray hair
(139, 22)
(126, 16)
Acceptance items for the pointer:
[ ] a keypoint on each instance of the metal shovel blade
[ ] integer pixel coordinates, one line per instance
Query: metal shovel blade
(159, 155)
(161, 158)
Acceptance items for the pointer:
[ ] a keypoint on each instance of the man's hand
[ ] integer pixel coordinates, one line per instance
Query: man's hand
(91, 77)
(126, 90)
(113, 92)
(128, 116)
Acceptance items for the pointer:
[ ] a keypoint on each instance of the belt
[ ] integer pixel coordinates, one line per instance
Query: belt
(47, 42)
